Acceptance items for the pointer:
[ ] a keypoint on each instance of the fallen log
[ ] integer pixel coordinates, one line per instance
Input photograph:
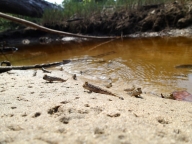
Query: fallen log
(48, 30)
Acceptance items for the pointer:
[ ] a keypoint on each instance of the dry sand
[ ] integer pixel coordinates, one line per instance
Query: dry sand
(33, 111)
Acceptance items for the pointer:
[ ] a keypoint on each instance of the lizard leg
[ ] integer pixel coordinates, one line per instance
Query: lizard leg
(89, 91)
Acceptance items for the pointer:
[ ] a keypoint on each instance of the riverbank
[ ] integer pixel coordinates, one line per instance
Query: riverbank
(33, 111)
(112, 20)
(157, 20)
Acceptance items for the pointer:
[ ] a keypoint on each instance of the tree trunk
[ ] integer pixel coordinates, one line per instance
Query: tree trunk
(31, 8)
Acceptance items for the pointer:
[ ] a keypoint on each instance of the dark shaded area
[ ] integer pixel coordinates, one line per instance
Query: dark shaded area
(31, 8)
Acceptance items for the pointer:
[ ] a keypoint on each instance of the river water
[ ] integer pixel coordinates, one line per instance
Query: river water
(146, 62)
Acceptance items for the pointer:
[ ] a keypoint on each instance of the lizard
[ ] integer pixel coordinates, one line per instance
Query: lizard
(130, 89)
(74, 77)
(109, 85)
(96, 89)
(136, 92)
(52, 78)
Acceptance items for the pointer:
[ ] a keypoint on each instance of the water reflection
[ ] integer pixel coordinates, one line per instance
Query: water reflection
(149, 63)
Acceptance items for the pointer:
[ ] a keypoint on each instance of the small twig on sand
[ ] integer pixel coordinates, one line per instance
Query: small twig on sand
(45, 71)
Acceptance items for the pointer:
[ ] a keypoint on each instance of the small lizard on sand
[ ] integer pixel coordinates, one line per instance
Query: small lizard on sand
(130, 89)
(74, 77)
(136, 92)
(51, 78)
(109, 85)
(97, 89)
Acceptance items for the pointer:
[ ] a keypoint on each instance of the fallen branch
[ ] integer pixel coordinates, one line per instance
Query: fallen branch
(48, 30)
(100, 45)
(8, 68)
(184, 66)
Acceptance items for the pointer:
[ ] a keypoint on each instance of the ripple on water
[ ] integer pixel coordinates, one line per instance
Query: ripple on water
(148, 63)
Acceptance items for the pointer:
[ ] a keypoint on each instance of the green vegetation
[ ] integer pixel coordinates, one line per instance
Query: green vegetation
(72, 9)
(83, 9)
(6, 24)
(87, 8)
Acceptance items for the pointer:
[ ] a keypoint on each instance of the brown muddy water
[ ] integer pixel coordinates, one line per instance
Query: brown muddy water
(147, 62)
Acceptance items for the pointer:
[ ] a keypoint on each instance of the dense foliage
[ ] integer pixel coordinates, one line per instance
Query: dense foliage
(84, 9)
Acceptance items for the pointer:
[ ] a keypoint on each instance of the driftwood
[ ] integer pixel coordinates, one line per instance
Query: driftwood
(48, 30)
(184, 66)
(45, 71)
(8, 68)
(32, 8)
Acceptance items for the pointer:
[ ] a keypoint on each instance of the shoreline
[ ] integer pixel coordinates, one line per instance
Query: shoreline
(22, 40)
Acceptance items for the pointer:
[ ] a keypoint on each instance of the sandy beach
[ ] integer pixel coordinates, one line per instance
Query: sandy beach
(34, 111)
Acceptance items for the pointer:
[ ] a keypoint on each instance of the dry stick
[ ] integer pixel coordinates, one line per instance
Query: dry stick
(48, 30)
(100, 45)
(8, 68)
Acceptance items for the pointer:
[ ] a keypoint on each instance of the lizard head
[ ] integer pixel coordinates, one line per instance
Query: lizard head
(45, 76)
(139, 90)
(85, 84)
(74, 76)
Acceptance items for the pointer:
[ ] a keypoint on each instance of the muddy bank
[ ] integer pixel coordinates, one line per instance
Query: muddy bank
(26, 37)
(172, 19)
(150, 18)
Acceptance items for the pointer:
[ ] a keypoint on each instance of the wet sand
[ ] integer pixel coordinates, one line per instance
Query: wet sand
(34, 111)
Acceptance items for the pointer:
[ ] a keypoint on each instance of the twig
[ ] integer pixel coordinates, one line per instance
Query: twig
(45, 71)
(100, 45)
(7, 68)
